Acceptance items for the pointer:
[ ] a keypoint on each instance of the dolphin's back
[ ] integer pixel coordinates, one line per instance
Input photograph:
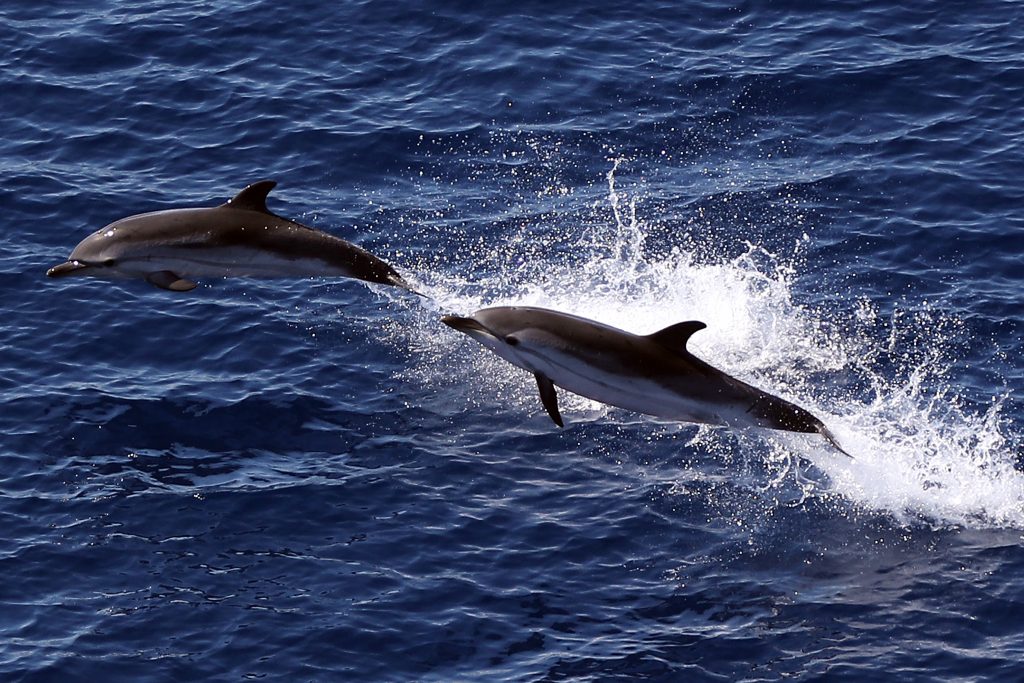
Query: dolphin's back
(298, 242)
(603, 345)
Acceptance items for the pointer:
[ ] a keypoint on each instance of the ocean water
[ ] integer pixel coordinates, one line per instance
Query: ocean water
(315, 480)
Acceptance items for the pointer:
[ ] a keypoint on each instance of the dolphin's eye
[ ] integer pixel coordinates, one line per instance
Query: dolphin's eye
(512, 341)
(110, 262)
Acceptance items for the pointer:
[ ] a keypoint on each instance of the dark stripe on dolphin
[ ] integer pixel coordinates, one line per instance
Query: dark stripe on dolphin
(295, 241)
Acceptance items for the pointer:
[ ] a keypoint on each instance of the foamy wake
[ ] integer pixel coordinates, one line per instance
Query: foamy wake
(917, 452)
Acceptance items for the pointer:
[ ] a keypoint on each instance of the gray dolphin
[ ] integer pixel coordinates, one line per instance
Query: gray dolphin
(652, 374)
(240, 238)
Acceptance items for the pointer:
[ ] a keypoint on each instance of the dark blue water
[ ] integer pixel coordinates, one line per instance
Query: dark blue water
(316, 480)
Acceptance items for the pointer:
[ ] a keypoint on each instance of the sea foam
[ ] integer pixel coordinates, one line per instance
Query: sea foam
(919, 452)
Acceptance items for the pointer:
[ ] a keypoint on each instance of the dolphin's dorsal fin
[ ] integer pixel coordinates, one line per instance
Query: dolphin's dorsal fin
(253, 197)
(675, 336)
(548, 397)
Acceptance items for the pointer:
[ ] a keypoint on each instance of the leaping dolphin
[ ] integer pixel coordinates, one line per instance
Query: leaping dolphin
(240, 238)
(652, 374)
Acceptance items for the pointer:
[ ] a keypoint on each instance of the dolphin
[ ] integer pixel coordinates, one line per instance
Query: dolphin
(652, 374)
(240, 238)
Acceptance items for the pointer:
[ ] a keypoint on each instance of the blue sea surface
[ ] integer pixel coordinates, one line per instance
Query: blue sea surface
(316, 480)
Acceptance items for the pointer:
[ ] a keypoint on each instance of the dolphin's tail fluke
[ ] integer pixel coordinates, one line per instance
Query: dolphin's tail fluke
(399, 281)
(831, 438)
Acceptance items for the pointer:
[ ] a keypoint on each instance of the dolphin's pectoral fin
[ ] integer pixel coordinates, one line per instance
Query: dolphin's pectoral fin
(253, 197)
(548, 397)
(675, 336)
(165, 279)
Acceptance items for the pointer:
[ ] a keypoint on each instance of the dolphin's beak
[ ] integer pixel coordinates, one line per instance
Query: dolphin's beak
(66, 268)
(461, 324)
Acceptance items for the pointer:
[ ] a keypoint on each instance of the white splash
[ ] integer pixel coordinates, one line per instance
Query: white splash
(918, 453)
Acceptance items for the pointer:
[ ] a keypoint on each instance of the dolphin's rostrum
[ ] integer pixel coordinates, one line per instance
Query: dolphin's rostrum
(240, 238)
(652, 374)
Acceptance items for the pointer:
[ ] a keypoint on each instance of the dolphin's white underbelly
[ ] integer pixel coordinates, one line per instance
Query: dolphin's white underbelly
(655, 397)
